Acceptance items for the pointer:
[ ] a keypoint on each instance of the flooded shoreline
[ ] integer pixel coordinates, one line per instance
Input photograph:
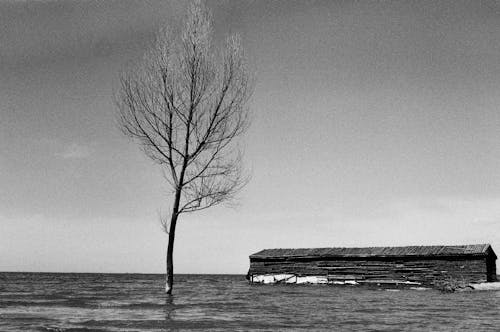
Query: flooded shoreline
(128, 302)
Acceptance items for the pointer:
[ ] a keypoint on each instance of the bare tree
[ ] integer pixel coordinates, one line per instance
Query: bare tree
(185, 104)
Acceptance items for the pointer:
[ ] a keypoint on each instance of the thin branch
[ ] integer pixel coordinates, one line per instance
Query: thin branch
(185, 105)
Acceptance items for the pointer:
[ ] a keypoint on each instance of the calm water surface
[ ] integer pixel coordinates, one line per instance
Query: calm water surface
(120, 302)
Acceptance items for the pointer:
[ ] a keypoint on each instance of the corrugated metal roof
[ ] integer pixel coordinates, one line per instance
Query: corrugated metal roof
(461, 250)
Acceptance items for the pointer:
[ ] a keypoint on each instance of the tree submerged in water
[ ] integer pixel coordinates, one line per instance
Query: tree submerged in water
(185, 104)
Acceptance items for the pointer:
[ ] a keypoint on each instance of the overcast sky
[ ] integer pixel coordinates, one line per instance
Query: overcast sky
(375, 123)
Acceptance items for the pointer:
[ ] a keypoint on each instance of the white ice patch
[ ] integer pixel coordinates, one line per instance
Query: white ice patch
(263, 279)
(312, 280)
(337, 282)
(409, 283)
(292, 279)
(351, 282)
(272, 278)
(283, 277)
(486, 286)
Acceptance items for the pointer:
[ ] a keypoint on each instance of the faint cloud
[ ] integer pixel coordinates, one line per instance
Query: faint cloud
(76, 151)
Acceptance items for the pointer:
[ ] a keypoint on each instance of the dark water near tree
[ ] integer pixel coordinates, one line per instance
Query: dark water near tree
(120, 302)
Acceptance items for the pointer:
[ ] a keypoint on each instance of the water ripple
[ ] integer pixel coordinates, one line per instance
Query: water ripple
(121, 302)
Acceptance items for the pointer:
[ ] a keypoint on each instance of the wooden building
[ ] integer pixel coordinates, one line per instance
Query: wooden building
(413, 265)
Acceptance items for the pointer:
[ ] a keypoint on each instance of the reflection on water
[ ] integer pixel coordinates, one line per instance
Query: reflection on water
(114, 302)
(169, 309)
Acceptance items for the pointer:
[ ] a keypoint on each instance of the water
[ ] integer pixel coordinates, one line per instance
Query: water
(121, 302)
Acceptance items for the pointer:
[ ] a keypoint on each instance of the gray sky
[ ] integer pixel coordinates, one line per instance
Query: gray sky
(375, 123)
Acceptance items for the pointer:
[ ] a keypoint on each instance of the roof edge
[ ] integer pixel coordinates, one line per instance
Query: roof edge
(482, 249)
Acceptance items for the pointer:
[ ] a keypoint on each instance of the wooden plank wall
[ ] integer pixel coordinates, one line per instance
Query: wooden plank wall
(426, 271)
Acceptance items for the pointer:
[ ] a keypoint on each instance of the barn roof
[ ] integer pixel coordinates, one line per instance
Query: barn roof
(431, 251)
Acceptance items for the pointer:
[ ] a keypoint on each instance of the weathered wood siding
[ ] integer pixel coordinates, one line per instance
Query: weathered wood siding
(425, 271)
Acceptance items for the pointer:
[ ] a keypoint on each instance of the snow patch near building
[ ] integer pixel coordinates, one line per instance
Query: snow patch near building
(486, 286)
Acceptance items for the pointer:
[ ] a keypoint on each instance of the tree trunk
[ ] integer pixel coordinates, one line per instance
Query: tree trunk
(169, 284)
(170, 255)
